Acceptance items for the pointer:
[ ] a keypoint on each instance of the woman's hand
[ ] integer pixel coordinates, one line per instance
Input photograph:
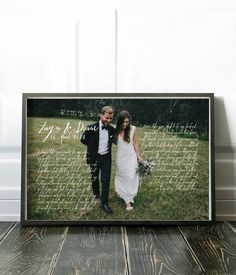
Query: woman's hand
(139, 158)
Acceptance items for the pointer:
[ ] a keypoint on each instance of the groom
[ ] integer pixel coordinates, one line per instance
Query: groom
(98, 138)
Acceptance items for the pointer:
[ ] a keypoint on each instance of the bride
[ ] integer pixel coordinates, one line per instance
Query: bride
(127, 157)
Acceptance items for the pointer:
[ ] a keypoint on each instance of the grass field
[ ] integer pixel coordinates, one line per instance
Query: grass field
(58, 180)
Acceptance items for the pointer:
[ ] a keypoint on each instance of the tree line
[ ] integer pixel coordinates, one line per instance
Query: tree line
(143, 111)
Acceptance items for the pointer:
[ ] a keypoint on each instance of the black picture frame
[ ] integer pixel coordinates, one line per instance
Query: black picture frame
(175, 136)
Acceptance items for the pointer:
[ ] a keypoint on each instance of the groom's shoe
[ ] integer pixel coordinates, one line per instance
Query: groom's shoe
(107, 208)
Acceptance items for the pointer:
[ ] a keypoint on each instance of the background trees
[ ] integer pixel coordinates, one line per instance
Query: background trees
(143, 111)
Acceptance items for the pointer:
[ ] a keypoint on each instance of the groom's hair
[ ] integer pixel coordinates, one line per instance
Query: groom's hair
(107, 109)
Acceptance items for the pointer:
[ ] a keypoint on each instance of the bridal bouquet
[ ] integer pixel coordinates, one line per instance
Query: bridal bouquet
(144, 168)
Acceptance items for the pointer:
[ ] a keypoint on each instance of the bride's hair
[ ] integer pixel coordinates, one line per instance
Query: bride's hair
(121, 117)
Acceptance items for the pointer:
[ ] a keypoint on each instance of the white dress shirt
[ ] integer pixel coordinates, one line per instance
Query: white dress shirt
(103, 140)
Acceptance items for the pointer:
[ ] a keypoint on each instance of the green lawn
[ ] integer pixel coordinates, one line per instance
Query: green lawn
(58, 180)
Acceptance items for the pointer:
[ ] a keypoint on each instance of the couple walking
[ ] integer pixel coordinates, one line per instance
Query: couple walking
(98, 138)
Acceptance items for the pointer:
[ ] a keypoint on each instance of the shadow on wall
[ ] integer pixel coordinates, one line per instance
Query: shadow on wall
(222, 130)
(225, 169)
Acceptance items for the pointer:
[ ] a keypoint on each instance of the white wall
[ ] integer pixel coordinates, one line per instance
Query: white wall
(128, 46)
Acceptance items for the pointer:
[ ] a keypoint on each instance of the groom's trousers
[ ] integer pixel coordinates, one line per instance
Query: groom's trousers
(102, 166)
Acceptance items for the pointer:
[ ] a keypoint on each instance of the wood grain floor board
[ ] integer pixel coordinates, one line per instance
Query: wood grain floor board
(4, 228)
(233, 224)
(159, 250)
(214, 246)
(118, 250)
(92, 250)
(30, 250)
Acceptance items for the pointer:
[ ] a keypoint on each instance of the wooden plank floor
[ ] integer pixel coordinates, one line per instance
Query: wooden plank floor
(92, 250)
(159, 251)
(213, 246)
(118, 250)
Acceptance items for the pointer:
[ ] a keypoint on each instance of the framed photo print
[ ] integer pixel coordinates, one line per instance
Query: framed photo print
(117, 159)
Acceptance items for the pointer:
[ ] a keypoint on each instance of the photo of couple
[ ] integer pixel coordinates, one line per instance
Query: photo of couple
(100, 158)
(98, 138)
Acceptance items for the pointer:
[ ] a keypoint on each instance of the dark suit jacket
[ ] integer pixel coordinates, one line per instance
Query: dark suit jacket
(90, 138)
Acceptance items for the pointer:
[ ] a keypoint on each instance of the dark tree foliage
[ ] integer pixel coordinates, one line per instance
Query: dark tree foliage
(143, 111)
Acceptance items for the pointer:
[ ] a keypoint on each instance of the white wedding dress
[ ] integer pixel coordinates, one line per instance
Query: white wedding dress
(126, 179)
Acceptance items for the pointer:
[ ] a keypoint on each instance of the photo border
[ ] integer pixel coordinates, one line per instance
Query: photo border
(26, 96)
